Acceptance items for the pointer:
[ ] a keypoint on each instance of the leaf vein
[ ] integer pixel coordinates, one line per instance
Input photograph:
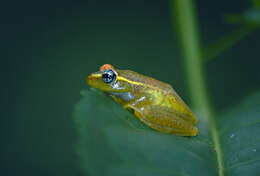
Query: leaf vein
(242, 163)
(240, 127)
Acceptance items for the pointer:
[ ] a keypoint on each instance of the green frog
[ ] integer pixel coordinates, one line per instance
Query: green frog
(154, 102)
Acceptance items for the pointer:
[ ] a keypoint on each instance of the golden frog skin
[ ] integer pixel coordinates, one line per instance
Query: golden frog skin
(154, 102)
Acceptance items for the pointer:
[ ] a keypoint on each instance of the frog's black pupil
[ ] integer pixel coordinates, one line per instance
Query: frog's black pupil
(108, 76)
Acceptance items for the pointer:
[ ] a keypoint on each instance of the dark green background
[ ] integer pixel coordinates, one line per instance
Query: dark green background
(48, 48)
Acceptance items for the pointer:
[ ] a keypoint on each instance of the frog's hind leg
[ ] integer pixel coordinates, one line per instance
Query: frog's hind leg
(164, 120)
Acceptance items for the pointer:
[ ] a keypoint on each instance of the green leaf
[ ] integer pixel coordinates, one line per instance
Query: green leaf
(113, 142)
(256, 3)
(250, 16)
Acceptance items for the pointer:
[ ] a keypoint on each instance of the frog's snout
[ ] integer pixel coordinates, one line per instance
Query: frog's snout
(90, 79)
(93, 80)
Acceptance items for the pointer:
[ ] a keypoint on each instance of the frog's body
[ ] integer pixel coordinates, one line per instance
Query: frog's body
(155, 103)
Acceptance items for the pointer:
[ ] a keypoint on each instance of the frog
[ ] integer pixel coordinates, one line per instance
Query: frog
(153, 102)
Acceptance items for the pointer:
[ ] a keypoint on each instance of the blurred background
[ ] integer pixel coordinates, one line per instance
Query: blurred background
(48, 48)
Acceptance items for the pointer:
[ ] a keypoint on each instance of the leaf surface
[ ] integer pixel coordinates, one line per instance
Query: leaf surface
(113, 142)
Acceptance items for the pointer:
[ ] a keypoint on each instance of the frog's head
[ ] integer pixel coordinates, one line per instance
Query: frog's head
(108, 80)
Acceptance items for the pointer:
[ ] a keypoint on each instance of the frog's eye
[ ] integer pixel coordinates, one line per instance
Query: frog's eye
(109, 76)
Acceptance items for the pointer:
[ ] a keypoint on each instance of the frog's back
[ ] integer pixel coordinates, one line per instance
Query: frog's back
(169, 99)
(145, 81)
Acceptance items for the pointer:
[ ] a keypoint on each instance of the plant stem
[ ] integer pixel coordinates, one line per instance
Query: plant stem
(183, 12)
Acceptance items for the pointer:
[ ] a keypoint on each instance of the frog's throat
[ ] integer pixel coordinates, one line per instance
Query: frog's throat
(125, 96)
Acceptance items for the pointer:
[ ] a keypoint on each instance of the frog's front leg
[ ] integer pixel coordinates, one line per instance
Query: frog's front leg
(137, 105)
(140, 101)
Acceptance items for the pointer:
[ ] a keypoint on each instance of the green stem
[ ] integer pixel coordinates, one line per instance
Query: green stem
(227, 41)
(186, 22)
(183, 13)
